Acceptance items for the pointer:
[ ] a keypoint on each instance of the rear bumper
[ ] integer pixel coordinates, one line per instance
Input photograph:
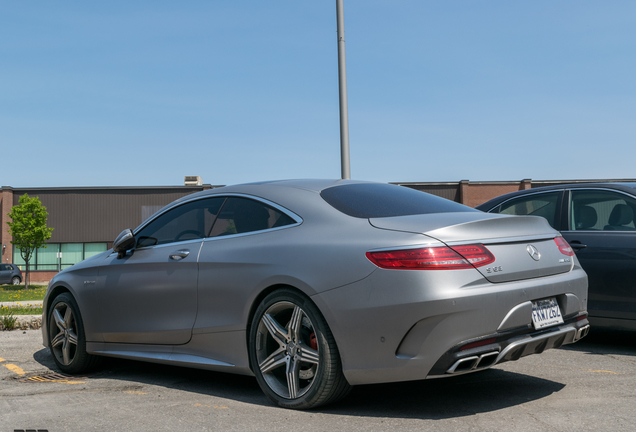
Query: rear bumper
(401, 325)
(507, 347)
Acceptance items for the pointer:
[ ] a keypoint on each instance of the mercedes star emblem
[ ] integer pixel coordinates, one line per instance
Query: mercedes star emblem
(533, 252)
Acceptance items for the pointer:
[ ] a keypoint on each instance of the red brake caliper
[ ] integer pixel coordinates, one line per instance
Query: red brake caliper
(313, 342)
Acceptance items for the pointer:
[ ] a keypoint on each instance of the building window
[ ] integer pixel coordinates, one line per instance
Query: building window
(58, 256)
(46, 258)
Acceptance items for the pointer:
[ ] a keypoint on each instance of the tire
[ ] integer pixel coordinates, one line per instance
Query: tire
(67, 339)
(15, 280)
(293, 353)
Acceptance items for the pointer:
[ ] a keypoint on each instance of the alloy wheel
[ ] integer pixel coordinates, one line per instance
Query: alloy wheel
(63, 333)
(286, 350)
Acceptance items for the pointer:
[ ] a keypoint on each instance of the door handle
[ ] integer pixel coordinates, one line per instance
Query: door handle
(577, 245)
(179, 255)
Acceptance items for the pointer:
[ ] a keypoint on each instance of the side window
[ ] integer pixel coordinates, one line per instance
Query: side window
(242, 215)
(543, 204)
(189, 221)
(598, 210)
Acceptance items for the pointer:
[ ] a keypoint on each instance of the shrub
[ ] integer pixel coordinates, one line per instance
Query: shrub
(8, 321)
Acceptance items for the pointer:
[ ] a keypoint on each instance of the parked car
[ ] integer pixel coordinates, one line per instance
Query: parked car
(317, 285)
(10, 273)
(597, 220)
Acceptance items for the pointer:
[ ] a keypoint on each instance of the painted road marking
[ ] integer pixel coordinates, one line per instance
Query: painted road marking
(603, 371)
(55, 377)
(42, 379)
(587, 370)
(18, 370)
(210, 406)
(12, 367)
(15, 369)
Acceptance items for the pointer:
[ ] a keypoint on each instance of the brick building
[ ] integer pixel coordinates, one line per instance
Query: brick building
(86, 220)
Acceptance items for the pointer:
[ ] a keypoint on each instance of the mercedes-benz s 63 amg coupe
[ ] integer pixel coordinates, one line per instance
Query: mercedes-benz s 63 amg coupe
(314, 286)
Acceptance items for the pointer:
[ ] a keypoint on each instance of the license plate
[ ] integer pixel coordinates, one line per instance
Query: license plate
(546, 313)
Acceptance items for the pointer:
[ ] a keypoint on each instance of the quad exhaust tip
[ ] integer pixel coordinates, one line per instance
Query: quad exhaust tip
(518, 349)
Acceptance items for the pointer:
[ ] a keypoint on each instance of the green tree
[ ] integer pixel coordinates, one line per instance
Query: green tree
(28, 228)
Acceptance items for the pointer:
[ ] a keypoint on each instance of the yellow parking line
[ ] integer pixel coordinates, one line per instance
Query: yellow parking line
(1, 360)
(603, 371)
(14, 368)
(69, 382)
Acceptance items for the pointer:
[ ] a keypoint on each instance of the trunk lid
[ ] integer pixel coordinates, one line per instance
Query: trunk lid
(513, 240)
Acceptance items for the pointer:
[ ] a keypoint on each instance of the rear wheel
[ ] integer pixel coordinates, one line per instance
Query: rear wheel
(15, 280)
(293, 353)
(66, 336)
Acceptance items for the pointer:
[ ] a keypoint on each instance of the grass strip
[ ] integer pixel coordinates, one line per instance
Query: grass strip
(11, 294)
(20, 310)
(11, 287)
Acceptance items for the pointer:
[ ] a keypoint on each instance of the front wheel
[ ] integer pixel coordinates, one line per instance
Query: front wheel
(66, 336)
(293, 353)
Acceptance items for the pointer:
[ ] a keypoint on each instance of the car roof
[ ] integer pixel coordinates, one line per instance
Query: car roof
(312, 185)
(268, 189)
(625, 187)
(613, 185)
(316, 185)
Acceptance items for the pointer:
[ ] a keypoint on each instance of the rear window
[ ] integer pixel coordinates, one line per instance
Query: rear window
(373, 200)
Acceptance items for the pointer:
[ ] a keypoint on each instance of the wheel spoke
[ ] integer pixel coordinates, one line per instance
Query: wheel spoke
(72, 337)
(68, 316)
(295, 323)
(57, 340)
(59, 321)
(275, 330)
(66, 352)
(293, 384)
(308, 354)
(276, 359)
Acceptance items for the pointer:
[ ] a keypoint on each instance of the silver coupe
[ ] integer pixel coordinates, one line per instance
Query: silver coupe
(314, 286)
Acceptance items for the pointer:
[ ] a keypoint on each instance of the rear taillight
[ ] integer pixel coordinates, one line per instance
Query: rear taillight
(476, 254)
(564, 246)
(433, 258)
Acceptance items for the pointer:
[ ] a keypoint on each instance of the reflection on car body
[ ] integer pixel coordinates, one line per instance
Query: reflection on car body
(317, 285)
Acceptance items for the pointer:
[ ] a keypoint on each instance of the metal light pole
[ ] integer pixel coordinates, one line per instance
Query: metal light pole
(342, 84)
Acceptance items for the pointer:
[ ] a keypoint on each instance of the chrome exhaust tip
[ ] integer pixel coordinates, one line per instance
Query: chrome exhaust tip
(472, 363)
(487, 360)
(463, 365)
(582, 332)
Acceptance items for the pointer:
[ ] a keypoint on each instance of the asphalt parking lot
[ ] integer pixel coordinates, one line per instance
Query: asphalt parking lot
(583, 387)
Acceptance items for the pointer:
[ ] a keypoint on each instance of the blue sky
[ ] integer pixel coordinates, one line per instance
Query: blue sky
(146, 92)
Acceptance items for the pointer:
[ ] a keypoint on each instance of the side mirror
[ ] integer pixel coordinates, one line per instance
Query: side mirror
(124, 242)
